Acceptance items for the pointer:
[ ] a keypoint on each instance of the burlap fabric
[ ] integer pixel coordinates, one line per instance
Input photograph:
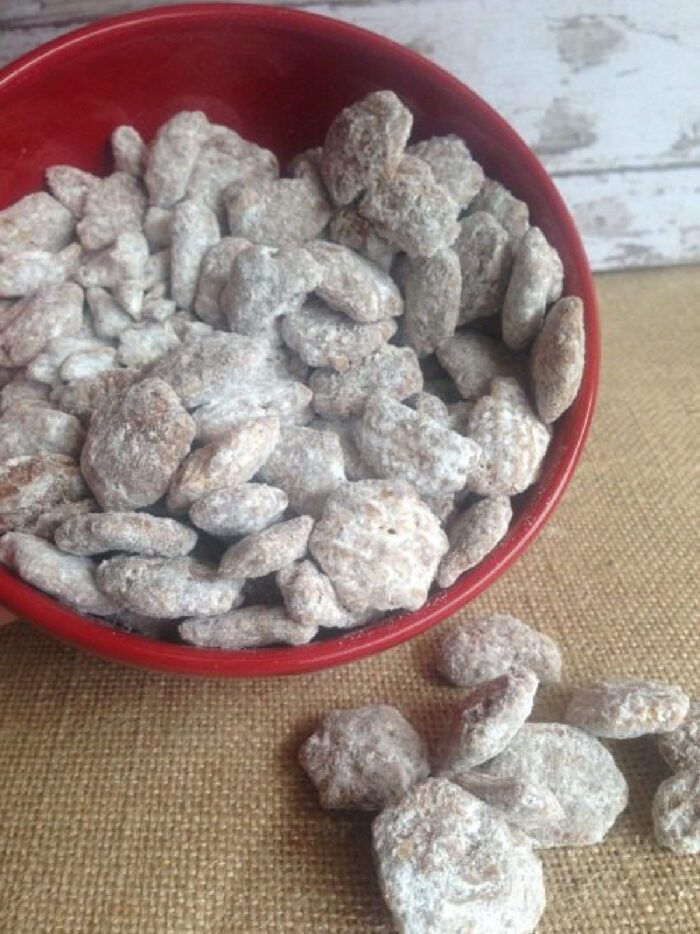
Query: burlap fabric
(133, 803)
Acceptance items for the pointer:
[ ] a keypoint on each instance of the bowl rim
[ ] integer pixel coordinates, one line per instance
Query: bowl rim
(99, 639)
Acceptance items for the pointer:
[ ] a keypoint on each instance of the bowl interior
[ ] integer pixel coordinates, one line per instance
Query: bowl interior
(278, 77)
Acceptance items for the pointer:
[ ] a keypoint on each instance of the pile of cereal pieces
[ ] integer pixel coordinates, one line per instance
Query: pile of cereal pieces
(238, 409)
(455, 837)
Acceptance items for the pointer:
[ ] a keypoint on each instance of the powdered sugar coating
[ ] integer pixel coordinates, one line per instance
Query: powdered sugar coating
(49, 521)
(486, 258)
(676, 812)
(157, 227)
(247, 628)
(354, 285)
(356, 468)
(22, 389)
(473, 360)
(172, 156)
(264, 552)
(230, 460)
(115, 205)
(135, 444)
(83, 396)
(35, 429)
(129, 150)
(54, 311)
(283, 212)
(167, 588)
(46, 366)
(473, 535)
(310, 598)
(31, 485)
(327, 338)
(577, 769)
(133, 532)
(511, 213)
(70, 186)
(29, 270)
(65, 577)
(35, 222)
(379, 544)
(624, 708)
(194, 229)
(125, 260)
(367, 758)
(411, 210)
(483, 723)
(535, 267)
(259, 397)
(488, 646)
(142, 345)
(214, 274)
(557, 358)
(425, 403)
(449, 863)
(108, 317)
(680, 747)
(348, 228)
(85, 364)
(398, 442)
(452, 166)
(391, 370)
(513, 444)
(364, 141)
(431, 288)
(250, 507)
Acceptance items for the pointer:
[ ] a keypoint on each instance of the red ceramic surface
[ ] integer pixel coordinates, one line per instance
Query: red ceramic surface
(279, 77)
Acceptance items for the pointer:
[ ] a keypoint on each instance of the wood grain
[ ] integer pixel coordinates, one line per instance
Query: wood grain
(604, 91)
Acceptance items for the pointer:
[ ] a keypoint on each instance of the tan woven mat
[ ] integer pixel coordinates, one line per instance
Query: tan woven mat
(133, 803)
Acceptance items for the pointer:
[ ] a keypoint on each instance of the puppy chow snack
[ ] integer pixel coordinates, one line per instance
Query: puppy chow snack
(624, 708)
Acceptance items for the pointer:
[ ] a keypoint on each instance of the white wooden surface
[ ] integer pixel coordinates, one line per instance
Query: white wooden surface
(607, 92)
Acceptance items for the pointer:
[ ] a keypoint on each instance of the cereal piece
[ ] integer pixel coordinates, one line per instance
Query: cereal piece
(22, 389)
(513, 215)
(680, 748)
(364, 141)
(31, 485)
(230, 460)
(116, 205)
(124, 260)
(84, 364)
(486, 259)
(448, 863)
(156, 274)
(157, 227)
(145, 344)
(411, 210)
(452, 165)
(327, 338)
(261, 553)
(534, 268)
(47, 523)
(264, 284)
(308, 466)
(676, 813)
(308, 165)
(167, 588)
(46, 366)
(577, 769)
(425, 403)
(398, 442)
(484, 722)
(172, 156)
(625, 708)
(194, 229)
(379, 544)
(34, 429)
(70, 186)
(65, 577)
(556, 361)
(254, 399)
(349, 229)
(227, 161)
(310, 598)
(83, 396)
(513, 444)
(356, 468)
(251, 627)
(206, 368)
(250, 507)
(26, 272)
(54, 311)
(283, 212)
(108, 316)
(391, 370)
(527, 806)
(188, 327)
(35, 222)
(129, 150)
(474, 535)
(367, 758)
(484, 648)
(353, 285)
(134, 445)
(473, 360)
(133, 532)
(431, 288)
(158, 309)
(214, 274)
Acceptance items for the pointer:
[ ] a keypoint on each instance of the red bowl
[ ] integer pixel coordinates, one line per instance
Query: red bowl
(278, 76)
